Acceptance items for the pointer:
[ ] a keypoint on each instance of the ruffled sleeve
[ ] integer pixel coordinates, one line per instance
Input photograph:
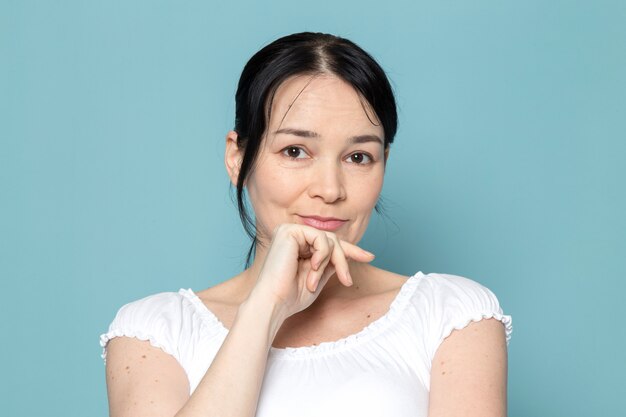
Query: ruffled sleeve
(457, 301)
(156, 318)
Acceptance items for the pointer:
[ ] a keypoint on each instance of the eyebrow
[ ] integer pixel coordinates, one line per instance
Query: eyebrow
(310, 134)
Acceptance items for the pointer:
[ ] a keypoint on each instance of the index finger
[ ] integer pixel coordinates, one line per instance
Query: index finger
(356, 253)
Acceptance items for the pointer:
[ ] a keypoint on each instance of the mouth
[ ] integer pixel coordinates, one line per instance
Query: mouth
(323, 223)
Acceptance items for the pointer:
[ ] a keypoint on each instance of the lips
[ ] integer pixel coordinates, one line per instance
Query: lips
(323, 223)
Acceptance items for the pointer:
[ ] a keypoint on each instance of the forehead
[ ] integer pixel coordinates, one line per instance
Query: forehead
(321, 102)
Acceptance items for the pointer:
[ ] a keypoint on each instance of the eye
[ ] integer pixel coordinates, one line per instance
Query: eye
(360, 158)
(293, 152)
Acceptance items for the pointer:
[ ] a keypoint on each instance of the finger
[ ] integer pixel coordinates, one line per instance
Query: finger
(356, 253)
(338, 258)
(310, 241)
(322, 249)
(328, 272)
(316, 275)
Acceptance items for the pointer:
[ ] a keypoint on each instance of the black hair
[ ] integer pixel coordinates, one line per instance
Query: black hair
(301, 53)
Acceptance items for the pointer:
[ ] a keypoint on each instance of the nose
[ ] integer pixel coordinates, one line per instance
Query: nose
(327, 182)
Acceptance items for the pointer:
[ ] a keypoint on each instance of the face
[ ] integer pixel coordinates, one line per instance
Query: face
(322, 160)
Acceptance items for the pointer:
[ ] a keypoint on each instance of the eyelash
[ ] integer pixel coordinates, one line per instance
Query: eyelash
(293, 158)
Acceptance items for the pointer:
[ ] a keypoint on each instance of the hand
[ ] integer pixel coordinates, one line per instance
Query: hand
(299, 262)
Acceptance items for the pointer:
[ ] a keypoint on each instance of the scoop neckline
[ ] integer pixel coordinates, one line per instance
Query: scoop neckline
(373, 328)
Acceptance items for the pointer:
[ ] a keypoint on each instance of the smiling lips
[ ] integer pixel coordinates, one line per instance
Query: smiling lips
(323, 223)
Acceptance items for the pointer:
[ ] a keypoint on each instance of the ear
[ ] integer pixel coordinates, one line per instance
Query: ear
(232, 157)
(387, 153)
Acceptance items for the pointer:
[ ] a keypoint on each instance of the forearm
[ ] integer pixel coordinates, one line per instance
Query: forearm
(231, 385)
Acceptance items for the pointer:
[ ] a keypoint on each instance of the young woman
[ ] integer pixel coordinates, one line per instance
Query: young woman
(311, 328)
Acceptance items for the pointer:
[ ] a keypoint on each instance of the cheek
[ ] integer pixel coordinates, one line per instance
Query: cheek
(270, 189)
(366, 192)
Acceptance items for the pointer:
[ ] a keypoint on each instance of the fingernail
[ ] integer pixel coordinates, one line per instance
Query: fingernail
(369, 253)
(350, 279)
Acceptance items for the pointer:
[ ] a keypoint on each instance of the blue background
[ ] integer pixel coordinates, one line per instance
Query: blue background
(507, 168)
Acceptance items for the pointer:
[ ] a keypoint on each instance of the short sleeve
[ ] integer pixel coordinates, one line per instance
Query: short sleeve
(457, 301)
(156, 318)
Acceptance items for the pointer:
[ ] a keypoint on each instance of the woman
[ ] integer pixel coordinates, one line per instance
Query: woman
(311, 328)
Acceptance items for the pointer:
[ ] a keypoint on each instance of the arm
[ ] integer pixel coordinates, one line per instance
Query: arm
(469, 372)
(145, 381)
(232, 384)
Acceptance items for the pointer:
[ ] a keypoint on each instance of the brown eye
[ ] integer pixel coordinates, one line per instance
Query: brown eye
(293, 152)
(360, 158)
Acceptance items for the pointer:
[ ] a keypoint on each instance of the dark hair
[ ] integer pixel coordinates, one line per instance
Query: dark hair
(301, 53)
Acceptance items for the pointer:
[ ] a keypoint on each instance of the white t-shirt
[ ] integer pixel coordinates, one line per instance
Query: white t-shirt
(383, 370)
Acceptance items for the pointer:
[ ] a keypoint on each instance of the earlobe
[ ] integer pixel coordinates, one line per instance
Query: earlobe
(232, 157)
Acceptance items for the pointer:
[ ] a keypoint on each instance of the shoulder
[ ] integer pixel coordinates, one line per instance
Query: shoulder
(156, 318)
(153, 306)
(451, 302)
(152, 349)
(464, 346)
(373, 280)
(455, 288)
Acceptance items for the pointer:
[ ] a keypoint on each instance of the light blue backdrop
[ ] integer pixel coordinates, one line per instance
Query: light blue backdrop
(508, 168)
